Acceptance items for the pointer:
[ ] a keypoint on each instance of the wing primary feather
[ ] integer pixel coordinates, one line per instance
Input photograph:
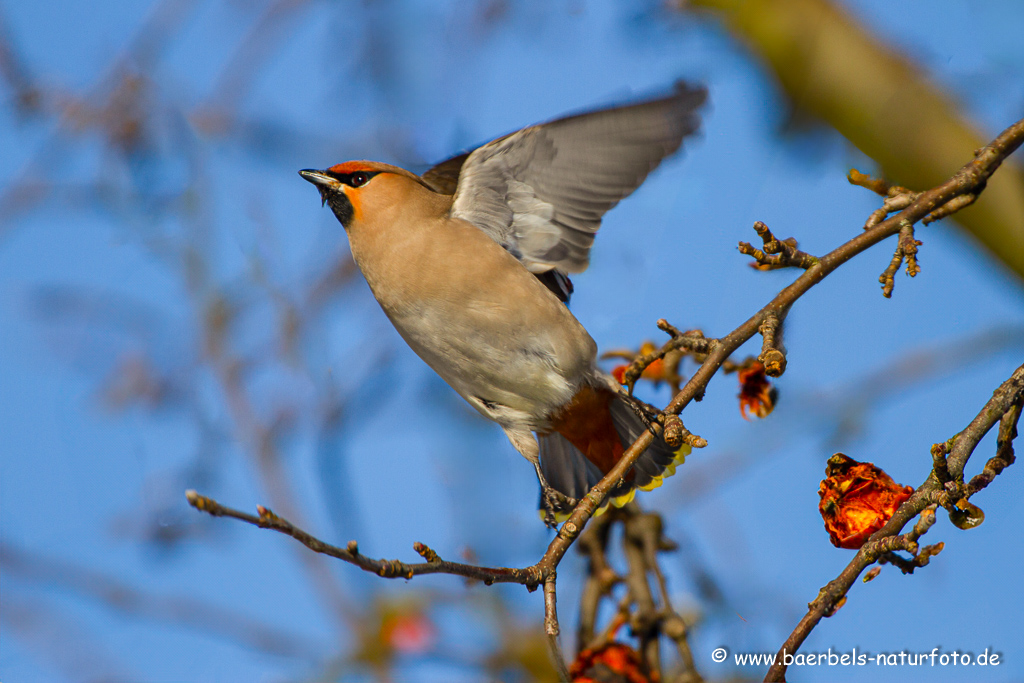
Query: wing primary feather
(541, 192)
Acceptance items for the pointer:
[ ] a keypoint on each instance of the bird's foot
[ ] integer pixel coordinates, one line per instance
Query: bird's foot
(553, 502)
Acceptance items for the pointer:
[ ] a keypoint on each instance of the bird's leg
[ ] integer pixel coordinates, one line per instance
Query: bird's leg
(551, 500)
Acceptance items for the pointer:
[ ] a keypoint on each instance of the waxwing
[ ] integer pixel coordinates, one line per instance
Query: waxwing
(470, 262)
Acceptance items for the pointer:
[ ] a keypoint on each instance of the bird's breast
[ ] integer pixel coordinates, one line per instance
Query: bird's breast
(483, 322)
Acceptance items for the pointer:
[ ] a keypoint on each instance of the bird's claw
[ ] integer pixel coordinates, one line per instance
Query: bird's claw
(552, 502)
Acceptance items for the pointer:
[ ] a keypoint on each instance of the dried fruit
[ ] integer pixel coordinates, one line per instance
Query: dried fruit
(857, 499)
(613, 661)
(660, 370)
(757, 395)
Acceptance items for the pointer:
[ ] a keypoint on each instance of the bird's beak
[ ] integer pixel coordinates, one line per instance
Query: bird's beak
(322, 181)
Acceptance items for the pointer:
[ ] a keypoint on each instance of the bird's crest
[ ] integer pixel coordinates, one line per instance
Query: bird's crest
(354, 166)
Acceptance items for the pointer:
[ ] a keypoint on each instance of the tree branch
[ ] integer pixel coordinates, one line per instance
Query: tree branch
(969, 179)
(388, 569)
(1003, 407)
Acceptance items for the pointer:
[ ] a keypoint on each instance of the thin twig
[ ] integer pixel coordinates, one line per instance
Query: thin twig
(773, 353)
(906, 250)
(552, 630)
(896, 198)
(389, 569)
(692, 343)
(1004, 456)
(777, 253)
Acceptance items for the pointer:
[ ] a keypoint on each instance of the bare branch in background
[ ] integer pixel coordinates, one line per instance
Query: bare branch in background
(180, 610)
(831, 67)
(16, 73)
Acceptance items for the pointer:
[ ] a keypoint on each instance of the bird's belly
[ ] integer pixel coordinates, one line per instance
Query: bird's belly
(491, 366)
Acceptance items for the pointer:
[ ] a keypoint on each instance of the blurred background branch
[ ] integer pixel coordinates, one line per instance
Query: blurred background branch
(833, 68)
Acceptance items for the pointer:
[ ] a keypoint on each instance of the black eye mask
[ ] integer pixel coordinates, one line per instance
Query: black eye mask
(353, 179)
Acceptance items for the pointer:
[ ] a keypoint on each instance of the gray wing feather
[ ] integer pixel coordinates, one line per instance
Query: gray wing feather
(541, 192)
(444, 177)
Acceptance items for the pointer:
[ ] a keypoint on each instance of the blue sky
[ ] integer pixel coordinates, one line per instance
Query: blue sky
(90, 281)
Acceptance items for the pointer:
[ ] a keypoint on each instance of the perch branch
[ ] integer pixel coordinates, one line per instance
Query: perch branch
(967, 180)
(389, 569)
(1004, 402)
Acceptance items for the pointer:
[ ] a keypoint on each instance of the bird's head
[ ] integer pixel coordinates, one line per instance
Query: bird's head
(357, 190)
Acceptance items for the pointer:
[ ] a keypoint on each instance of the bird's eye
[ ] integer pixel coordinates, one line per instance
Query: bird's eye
(358, 179)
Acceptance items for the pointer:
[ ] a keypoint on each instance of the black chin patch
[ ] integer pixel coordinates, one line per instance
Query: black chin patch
(340, 205)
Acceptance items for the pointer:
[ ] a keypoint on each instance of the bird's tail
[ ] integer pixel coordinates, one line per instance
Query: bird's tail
(581, 450)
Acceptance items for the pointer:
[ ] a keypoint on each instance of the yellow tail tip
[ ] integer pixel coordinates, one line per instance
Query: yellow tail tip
(626, 498)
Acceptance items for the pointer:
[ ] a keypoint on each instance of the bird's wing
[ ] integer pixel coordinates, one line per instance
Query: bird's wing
(541, 192)
(444, 177)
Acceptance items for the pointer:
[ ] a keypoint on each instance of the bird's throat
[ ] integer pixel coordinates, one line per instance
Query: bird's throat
(342, 207)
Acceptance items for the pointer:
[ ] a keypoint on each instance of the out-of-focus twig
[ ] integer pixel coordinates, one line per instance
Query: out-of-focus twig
(181, 610)
(831, 67)
(63, 642)
(14, 70)
(106, 105)
(236, 79)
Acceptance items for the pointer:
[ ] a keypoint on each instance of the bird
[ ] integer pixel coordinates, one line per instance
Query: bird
(471, 263)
